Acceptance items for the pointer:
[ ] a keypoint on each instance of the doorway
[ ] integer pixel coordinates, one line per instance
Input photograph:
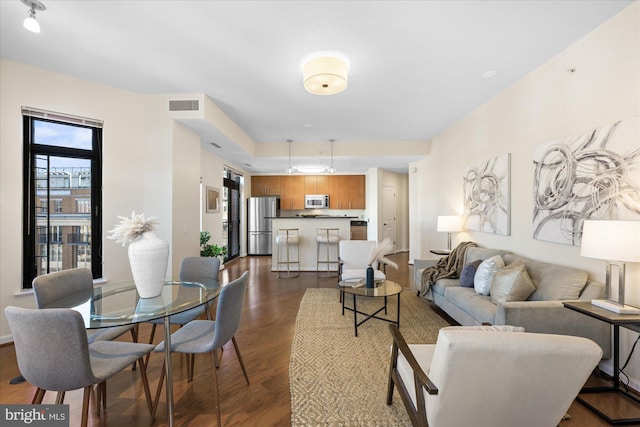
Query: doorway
(389, 213)
(231, 213)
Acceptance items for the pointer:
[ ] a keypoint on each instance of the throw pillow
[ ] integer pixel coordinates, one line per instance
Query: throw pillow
(511, 283)
(468, 273)
(485, 272)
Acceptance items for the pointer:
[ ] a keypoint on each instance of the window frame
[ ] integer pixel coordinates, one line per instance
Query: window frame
(30, 198)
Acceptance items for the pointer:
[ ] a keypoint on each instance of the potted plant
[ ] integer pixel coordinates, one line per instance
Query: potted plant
(211, 250)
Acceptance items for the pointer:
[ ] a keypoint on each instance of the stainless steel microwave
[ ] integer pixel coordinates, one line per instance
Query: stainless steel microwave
(316, 201)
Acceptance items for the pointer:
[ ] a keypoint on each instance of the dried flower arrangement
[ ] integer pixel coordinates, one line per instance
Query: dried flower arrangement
(130, 229)
(378, 253)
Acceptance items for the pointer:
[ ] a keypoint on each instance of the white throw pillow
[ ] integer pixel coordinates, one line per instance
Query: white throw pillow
(484, 274)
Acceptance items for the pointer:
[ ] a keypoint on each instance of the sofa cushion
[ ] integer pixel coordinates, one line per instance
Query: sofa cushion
(485, 272)
(443, 284)
(553, 282)
(468, 273)
(512, 283)
(478, 306)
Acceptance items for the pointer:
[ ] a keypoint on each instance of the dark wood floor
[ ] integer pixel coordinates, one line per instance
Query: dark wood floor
(264, 339)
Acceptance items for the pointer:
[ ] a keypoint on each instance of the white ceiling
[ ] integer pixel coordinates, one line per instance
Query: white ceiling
(416, 66)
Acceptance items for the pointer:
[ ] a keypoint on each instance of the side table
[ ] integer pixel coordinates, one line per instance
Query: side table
(626, 399)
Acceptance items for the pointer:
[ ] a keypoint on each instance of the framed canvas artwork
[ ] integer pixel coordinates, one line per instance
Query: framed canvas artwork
(487, 190)
(591, 175)
(213, 200)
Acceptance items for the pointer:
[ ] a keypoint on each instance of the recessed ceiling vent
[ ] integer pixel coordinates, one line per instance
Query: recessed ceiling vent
(184, 105)
(215, 145)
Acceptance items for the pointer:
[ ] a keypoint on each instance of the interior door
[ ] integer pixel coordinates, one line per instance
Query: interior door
(389, 213)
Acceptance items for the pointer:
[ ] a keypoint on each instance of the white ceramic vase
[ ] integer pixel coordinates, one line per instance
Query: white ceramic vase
(148, 258)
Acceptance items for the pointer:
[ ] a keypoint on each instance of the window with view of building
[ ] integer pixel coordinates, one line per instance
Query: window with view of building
(62, 194)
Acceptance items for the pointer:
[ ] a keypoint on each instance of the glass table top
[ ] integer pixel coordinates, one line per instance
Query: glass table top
(382, 288)
(119, 304)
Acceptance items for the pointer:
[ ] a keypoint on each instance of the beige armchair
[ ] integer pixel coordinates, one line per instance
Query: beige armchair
(483, 376)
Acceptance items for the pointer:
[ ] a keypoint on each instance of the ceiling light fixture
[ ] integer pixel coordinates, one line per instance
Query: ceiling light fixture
(30, 22)
(290, 170)
(331, 169)
(325, 73)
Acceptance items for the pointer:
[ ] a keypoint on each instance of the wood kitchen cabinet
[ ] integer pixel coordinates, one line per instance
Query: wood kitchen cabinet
(265, 185)
(316, 184)
(347, 192)
(292, 192)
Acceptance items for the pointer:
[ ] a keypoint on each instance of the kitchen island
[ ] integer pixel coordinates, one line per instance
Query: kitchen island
(307, 226)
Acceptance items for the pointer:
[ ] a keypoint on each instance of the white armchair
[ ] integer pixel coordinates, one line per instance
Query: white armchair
(481, 376)
(354, 258)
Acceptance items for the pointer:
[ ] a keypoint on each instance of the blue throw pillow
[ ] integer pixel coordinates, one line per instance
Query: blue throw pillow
(468, 273)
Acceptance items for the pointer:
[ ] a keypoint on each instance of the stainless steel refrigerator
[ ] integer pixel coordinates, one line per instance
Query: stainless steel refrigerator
(259, 233)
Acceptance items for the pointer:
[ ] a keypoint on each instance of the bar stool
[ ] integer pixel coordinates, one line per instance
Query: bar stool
(287, 238)
(328, 237)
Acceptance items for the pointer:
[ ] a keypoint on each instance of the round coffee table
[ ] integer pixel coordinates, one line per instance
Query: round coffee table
(381, 289)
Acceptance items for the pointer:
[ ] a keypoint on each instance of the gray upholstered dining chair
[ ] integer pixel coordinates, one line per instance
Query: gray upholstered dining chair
(69, 288)
(193, 269)
(54, 354)
(206, 336)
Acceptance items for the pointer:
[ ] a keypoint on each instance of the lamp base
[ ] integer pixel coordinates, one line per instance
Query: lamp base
(616, 308)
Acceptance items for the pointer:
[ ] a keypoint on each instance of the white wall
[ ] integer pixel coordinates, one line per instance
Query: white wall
(547, 104)
(211, 168)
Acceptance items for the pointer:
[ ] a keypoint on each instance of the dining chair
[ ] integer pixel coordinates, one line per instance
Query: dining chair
(69, 288)
(206, 336)
(202, 270)
(53, 353)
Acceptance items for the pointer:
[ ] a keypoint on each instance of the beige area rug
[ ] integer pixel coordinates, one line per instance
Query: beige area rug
(337, 379)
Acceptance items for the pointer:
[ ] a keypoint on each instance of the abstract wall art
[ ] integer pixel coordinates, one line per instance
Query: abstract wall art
(592, 175)
(487, 192)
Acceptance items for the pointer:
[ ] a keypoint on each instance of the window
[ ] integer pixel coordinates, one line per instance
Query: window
(62, 194)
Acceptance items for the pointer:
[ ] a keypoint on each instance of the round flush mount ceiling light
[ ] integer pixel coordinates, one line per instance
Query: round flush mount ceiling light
(325, 73)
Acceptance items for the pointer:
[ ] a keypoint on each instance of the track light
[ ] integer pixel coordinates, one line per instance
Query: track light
(30, 22)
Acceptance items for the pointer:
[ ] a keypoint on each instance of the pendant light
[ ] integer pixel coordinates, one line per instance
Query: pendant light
(30, 22)
(290, 170)
(332, 170)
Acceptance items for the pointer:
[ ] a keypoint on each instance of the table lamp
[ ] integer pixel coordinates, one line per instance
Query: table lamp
(616, 242)
(450, 224)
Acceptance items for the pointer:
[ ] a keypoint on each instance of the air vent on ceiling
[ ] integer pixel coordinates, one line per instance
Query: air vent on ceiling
(215, 145)
(184, 105)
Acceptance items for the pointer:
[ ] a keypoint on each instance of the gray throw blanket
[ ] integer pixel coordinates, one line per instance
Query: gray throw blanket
(448, 267)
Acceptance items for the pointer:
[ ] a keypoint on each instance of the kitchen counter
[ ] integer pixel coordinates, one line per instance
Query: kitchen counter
(307, 226)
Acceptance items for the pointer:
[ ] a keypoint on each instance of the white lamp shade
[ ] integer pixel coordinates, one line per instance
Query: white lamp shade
(325, 75)
(611, 240)
(449, 223)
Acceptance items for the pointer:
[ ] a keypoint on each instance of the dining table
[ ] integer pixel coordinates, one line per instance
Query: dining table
(119, 304)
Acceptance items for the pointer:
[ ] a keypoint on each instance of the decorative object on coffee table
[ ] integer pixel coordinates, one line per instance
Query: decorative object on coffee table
(148, 254)
(378, 253)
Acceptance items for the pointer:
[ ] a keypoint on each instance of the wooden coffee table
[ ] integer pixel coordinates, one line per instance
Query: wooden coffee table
(381, 289)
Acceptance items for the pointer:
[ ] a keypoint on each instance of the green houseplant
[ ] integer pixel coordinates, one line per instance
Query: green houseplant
(211, 250)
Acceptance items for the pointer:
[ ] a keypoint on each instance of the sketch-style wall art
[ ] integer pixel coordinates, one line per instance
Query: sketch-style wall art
(593, 175)
(487, 194)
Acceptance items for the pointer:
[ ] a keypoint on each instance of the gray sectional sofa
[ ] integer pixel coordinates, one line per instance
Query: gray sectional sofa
(542, 312)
